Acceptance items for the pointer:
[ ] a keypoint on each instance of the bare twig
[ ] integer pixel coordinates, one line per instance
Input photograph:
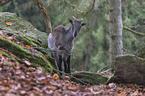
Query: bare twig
(92, 7)
(134, 32)
(103, 68)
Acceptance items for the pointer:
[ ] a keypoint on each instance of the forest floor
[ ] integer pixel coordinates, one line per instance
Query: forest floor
(17, 80)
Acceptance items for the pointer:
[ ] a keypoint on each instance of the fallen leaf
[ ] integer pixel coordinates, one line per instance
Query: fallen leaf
(1, 32)
(121, 94)
(41, 78)
(36, 92)
(10, 38)
(67, 77)
(5, 83)
(9, 23)
(39, 70)
(27, 62)
(81, 70)
(49, 92)
(135, 93)
(48, 76)
(0, 53)
(22, 92)
(55, 76)
(22, 77)
(27, 46)
(32, 74)
(111, 85)
(4, 89)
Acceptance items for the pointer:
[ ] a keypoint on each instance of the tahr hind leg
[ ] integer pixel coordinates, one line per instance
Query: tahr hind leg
(66, 61)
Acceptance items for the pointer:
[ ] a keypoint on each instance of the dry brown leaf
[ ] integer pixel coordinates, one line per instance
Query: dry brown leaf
(27, 46)
(55, 76)
(49, 92)
(23, 68)
(1, 32)
(10, 38)
(111, 85)
(32, 74)
(22, 92)
(0, 53)
(5, 83)
(121, 94)
(135, 93)
(67, 77)
(41, 78)
(49, 76)
(9, 23)
(4, 89)
(27, 62)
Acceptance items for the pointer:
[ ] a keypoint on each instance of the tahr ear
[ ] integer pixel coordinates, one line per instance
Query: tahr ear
(84, 24)
(71, 21)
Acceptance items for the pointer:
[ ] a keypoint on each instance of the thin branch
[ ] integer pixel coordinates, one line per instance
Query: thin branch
(134, 32)
(90, 10)
(103, 68)
(45, 15)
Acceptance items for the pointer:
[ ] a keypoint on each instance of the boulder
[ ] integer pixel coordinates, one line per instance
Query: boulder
(129, 69)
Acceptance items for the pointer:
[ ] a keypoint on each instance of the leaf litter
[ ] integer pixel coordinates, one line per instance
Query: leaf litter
(17, 79)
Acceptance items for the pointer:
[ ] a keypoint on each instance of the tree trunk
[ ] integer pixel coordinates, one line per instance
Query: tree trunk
(115, 30)
(87, 55)
(45, 15)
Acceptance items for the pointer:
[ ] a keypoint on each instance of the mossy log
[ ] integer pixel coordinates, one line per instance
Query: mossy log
(17, 39)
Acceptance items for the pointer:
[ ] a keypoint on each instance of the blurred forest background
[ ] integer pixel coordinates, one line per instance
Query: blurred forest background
(91, 50)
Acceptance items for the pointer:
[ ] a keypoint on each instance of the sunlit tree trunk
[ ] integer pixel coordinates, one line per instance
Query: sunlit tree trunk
(115, 30)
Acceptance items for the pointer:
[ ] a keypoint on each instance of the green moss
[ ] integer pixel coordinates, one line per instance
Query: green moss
(37, 58)
(8, 55)
(26, 41)
(89, 77)
(22, 27)
(24, 32)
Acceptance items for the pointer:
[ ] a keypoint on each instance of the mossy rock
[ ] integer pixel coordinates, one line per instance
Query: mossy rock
(129, 69)
(17, 39)
(22, 27)
(86, 77)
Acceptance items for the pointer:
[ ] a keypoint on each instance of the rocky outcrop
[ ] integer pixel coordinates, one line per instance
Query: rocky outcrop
(18, 39)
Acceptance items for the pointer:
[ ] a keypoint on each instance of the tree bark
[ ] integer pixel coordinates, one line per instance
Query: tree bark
(87, 55)
(115, 30)
(45, 15)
